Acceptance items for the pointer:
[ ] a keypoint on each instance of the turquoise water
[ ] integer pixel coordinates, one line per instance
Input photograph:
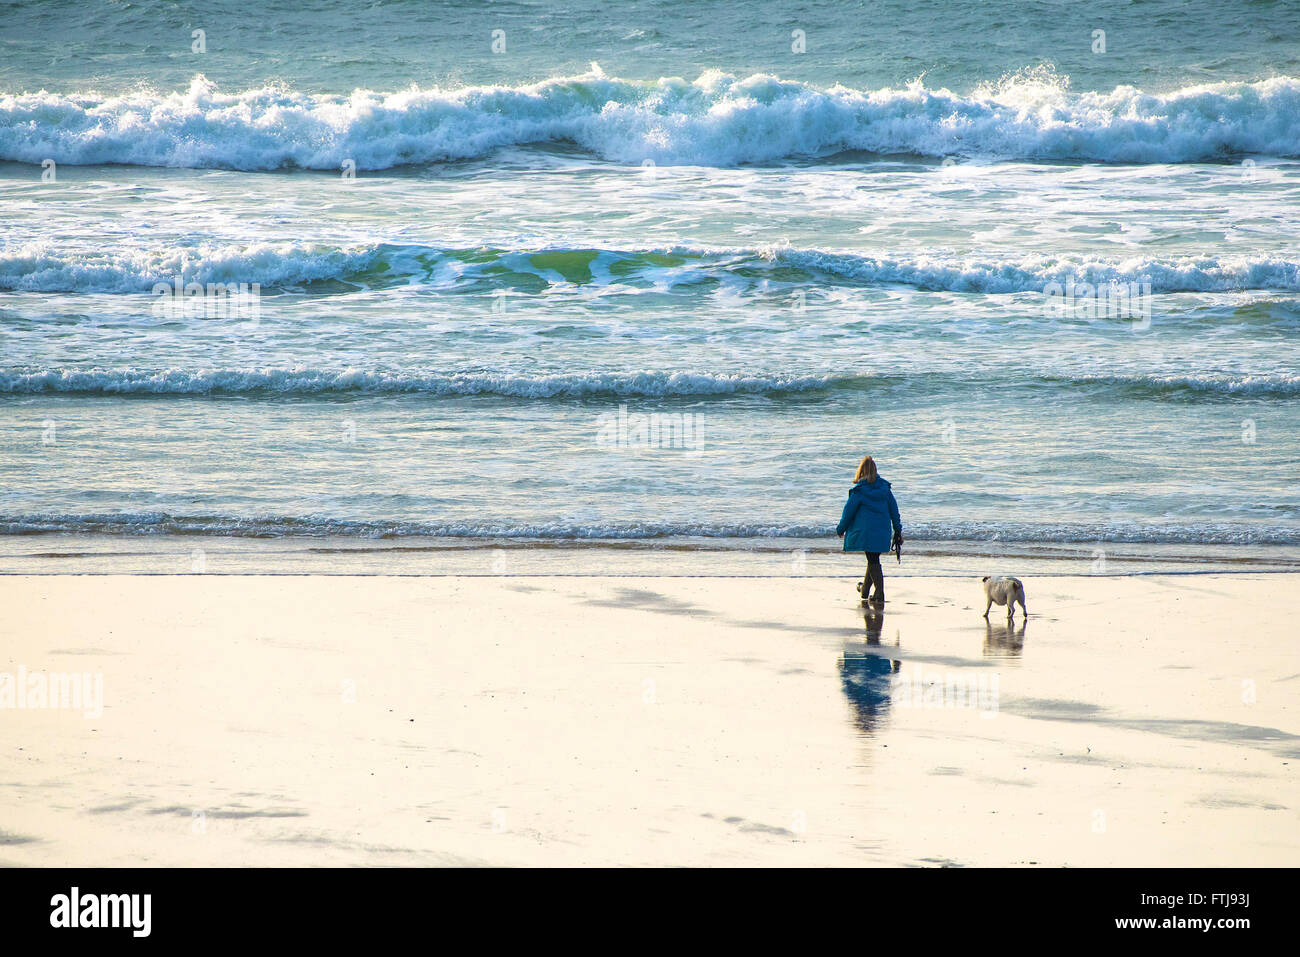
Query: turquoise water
(648, 276)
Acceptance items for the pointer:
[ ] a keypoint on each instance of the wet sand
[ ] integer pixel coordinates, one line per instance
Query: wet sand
(571, 721)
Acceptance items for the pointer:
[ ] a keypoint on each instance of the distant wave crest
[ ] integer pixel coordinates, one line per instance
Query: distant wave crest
(715, 120)
(306, 381)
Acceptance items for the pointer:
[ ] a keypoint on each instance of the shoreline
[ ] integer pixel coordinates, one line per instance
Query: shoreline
(61, 553)
(719, 576)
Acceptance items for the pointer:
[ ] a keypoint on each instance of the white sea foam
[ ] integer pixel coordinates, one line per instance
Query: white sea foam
(715, 120)
(44, 267)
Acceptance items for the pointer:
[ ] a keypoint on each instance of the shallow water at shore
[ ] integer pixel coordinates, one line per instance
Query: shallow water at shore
(710, 558)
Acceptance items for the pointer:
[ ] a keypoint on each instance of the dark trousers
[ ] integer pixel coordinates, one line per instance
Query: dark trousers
(875, 576)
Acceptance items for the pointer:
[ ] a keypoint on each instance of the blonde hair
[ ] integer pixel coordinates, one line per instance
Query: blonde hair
(866, 470)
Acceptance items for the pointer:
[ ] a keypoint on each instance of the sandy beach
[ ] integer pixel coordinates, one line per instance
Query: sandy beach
(311, 720)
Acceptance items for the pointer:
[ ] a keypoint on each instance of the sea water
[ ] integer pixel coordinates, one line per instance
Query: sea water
(279, 289)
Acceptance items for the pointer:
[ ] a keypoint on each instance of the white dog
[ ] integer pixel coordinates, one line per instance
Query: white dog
(1004, 591)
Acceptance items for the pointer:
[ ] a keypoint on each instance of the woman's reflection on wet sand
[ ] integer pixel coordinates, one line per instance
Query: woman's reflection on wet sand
(867, 675)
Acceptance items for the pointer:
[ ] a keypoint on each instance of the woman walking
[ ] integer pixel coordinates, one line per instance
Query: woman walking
(865, 525)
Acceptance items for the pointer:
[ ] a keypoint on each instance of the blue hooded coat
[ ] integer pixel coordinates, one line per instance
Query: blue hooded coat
(870, 518)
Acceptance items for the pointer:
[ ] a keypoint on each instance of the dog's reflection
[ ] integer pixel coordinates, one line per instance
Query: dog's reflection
(867, 675)
(1004, 640)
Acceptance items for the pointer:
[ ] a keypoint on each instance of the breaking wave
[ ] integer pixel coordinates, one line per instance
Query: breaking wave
(41, 267)
(716, 120)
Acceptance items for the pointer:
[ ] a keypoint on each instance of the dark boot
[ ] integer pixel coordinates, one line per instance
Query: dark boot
(876, 576)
